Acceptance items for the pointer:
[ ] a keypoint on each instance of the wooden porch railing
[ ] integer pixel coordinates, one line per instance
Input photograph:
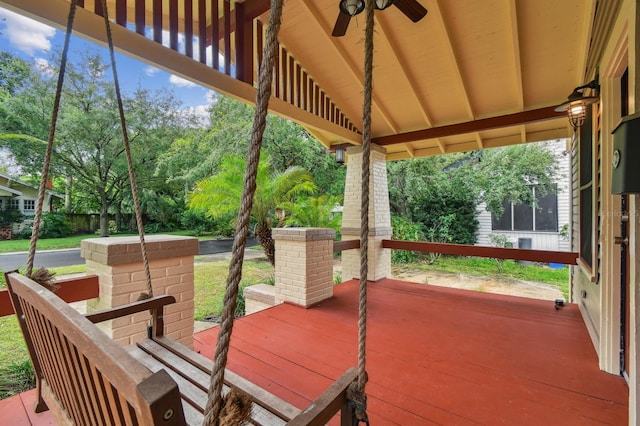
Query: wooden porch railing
(345, 245)
(71, 290)
(234, 39)
(545, 256)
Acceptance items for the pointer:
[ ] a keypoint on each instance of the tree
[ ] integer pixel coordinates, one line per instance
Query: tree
(507, 174)
(89, 148)
(220, 195)
(429, 190)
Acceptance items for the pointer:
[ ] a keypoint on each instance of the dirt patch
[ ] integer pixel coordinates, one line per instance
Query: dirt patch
(483, 284)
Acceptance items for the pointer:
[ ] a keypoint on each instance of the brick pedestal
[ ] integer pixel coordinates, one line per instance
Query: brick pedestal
(304, 265)
(118, 263)
(379, 259)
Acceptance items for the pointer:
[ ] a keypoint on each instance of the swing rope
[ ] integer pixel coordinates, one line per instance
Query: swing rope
(356, 392)
(47, 157)
(215, 402)
(127, 147)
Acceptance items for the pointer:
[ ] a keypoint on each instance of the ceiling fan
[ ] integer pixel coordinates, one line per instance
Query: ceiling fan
(349, 8)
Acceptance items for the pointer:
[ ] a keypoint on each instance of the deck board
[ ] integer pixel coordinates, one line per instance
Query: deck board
(435, 356)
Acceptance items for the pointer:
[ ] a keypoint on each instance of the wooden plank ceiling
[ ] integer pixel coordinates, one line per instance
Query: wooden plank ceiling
(465, 61)
(472, 74)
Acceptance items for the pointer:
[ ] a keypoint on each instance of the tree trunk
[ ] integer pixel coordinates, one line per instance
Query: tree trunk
(68, 182)
(104, 215)
(267, 243)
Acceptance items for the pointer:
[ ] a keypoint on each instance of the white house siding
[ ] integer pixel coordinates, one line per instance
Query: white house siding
(539, 240)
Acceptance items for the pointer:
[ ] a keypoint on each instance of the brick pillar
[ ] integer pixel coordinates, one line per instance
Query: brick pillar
(304, 265)
(117, 261)
(379, 214)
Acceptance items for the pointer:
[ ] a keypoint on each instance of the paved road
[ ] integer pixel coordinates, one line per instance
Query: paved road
(53, 258)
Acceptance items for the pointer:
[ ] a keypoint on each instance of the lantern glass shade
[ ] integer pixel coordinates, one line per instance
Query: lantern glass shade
(351, 7)
(383, 4)
(340, 154)
(577, 112)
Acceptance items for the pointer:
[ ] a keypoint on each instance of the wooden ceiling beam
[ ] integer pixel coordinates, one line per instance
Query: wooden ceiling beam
(508, 120)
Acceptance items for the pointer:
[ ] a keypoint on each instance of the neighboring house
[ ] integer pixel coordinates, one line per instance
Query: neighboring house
(23, 196)
(538, 228)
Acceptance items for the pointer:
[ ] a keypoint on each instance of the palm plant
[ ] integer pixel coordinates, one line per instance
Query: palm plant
(220, 195)
(316, 212)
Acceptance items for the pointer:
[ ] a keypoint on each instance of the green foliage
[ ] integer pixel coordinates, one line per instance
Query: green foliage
(500, 240)
(55, 225)
(506, 174)
(16, 378)
(405, 230)
(195, 221)
(314, 212)
(219, 196)
(429, 191)
(10, 215)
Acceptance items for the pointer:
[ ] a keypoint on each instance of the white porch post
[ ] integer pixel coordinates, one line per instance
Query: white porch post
(379, 214)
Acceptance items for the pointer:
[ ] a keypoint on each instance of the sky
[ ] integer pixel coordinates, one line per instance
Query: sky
(32, 41)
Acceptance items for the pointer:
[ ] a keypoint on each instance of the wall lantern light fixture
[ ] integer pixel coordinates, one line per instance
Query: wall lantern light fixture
(576, 104)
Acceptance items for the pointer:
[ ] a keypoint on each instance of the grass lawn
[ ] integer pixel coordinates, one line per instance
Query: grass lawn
(476, 266)
(73, 241)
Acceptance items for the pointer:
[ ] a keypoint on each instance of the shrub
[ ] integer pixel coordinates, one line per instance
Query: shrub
(195, 221)
(53, 225)
(500, 240)
(404, 229)
(9, 216)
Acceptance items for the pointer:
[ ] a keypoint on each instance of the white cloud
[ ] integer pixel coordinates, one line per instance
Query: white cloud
(181, 82)
(44, 67)
(24, 33)
(201, 113)
(211, 96)
(151, 71)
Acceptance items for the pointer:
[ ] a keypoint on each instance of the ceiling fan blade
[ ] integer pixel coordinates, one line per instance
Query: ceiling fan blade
(414, 10)
(342, 23)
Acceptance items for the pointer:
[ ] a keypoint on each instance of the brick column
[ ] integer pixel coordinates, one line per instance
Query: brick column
(304, 265)
(379, 214)
(118, 263)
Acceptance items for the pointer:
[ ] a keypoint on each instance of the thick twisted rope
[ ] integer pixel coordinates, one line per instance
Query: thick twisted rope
(214, 403)
(127, 148)
(52, 133)
(357, 393)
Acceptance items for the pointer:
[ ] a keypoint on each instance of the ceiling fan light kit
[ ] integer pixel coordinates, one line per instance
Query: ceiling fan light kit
(352, 7)
(383, 4)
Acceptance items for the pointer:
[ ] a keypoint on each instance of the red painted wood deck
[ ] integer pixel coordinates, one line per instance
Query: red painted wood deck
(435, 356)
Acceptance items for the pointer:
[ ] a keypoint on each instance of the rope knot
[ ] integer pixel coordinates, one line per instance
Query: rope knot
(358, 401)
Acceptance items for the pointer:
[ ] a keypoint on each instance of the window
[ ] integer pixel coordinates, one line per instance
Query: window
(29, 205)
(524, 217)
(15, 203)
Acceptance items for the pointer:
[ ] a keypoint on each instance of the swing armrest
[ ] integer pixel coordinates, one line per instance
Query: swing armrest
(156, 304)
(330, 402)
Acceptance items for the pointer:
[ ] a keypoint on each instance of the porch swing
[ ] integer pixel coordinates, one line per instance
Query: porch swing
(87, 378)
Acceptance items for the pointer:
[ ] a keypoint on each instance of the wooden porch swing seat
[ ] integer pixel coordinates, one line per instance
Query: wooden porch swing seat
(88, 379)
